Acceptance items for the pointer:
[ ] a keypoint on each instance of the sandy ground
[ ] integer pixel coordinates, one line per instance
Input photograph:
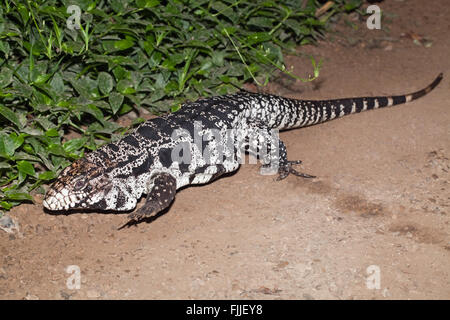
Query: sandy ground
(379, 207)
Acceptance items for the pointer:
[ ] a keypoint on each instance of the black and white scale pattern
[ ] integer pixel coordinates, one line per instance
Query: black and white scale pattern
(164, 154)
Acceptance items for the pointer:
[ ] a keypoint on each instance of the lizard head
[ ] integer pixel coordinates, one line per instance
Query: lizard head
(82, 185)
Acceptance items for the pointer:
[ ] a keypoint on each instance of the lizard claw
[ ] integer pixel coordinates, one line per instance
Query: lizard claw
(140, 214)
(285, 170)
(135, 217)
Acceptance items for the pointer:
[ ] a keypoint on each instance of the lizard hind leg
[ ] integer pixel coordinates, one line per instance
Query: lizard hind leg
(285, 166)
(158, 198)
(264, 143)
(286, 169)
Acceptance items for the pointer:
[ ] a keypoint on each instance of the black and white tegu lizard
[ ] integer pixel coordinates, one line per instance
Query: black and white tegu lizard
(195, 145)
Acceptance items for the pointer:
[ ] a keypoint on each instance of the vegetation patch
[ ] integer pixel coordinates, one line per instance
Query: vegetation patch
(64, 81)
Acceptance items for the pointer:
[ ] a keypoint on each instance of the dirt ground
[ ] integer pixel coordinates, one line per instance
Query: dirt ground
(380, 202)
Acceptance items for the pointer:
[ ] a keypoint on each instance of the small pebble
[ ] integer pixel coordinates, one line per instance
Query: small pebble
(31, 297)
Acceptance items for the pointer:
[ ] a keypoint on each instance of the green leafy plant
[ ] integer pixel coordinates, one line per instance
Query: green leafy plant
(62, 91)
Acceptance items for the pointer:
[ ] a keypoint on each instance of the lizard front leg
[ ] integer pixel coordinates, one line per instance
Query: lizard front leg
(161, 195)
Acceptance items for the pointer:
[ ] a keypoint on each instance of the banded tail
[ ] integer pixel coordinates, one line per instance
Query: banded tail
(309, 112)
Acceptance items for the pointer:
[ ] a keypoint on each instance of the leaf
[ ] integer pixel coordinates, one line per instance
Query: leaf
(47, 175)
(124, 44)
(7, 146)
(118, 5)
(5, 165)
(74, 144)
(20, 155)
(26, 167)
(86, 87)
(136, 122)
(258, 37)
(94, 111)
(11, 116)
(6, 205)
(6, 77)
(115, 101)
(353, 4)
(125, 86)
(23, 90)
(56, 149)
(125, 109)
(57, 83)
(16, 195)
(17, 140)
(218, 58)
(157, 95)
(23, 13)
(147, 3)
(121, 73)
(261, 22)
(297, 27)
(52, 133)
(105, 82)
(42, 78)
(4, 47)
(175, 108)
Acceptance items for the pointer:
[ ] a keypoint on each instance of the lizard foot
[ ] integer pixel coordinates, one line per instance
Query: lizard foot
(160, 197)
(141, 213)
(287, 169)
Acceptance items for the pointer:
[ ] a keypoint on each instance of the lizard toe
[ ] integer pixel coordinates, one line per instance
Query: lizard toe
(287, 169)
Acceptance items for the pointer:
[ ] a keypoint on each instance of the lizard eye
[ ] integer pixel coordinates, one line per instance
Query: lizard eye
(79, 184)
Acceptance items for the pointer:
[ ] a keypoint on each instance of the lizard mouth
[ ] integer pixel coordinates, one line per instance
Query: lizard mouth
(61, 200)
